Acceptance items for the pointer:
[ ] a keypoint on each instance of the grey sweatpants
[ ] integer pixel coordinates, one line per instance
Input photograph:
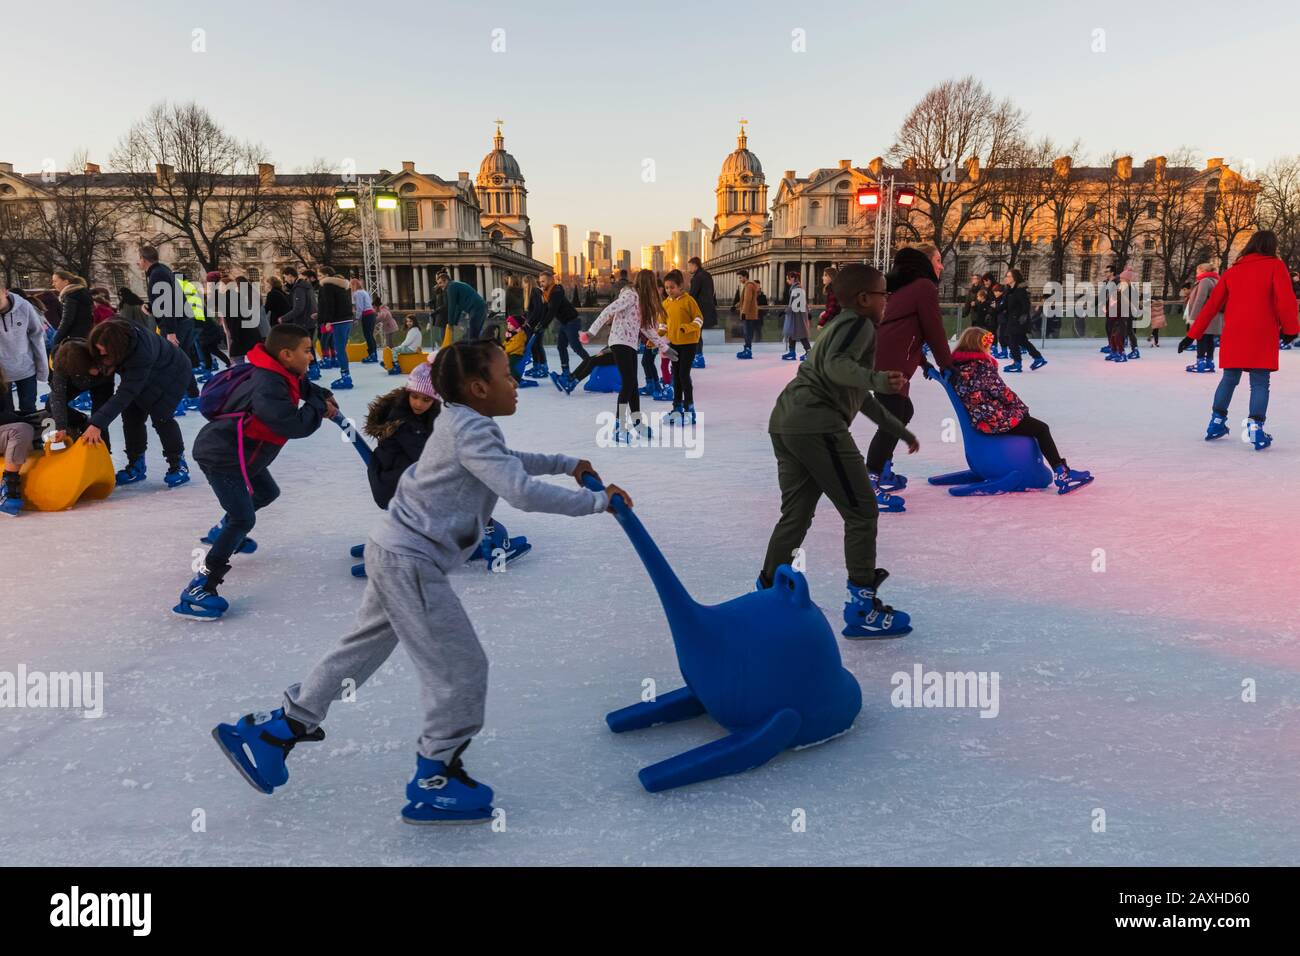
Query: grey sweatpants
(16, 443)
(407, 601)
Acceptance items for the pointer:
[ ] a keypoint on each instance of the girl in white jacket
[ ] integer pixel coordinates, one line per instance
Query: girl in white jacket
(634, 314)
(22, 348)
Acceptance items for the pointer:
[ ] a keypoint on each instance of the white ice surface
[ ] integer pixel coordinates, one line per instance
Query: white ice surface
(1119, 690)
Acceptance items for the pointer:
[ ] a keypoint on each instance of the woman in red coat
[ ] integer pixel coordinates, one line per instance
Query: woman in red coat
(1258, 304)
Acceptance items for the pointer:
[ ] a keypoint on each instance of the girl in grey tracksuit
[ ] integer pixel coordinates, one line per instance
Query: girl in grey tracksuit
(433, 523)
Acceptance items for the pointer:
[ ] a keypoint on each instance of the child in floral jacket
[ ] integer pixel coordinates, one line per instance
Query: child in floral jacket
(995, 409)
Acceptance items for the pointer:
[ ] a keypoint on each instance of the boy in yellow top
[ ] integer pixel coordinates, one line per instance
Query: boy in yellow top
(682, 323)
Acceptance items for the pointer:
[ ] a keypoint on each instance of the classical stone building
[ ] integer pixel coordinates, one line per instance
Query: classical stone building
(478, 229)
(816, 221)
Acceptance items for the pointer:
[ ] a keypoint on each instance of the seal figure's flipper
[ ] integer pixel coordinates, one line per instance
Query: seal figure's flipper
(739, 751)
(680, 704)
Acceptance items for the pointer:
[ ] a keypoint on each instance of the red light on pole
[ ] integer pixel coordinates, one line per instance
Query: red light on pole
(868, 195)
(905, 196)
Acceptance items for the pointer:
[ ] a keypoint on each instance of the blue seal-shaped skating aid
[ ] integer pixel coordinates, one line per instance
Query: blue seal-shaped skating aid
(604, 378)
(997, 463)
(765, 665)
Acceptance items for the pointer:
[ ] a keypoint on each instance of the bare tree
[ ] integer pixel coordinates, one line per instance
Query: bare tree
(1068, 211)
(309, 222)
(196, 179)
(74, 221)
(18, 239)
(1018, 191)
(1279, 206)
(954, 123)
(1234, 212)
(1125, 196)
(1181, 227)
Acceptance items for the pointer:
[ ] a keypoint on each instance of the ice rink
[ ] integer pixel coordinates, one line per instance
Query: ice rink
(1125, 623)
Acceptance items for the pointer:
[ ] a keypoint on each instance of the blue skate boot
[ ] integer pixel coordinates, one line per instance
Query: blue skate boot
(247, 546)
(885, 502)
(1037, 363)
(889, 480)
(134, 471)
(181, 406)
(393, 369)
(564, 381)
(358, 551)
(1256, 435)
(257, 745)
(1217, 428)
(11, 497)
(649, 388)
(200, 598)
(1067, 479)
(313, 370)
(538, 371)
(688, 416)
(698, 361)
(788, 356)
(1105, 350)
(1013, 367)
(359, 570)
(1135, 354)
(444, 793)
(745, 353)
(342, 383)
(867, 617)
(664, 393)
(675, 417)
(178, 473)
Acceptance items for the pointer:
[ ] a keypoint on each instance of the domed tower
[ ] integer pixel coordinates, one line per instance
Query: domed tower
(503, 200)
(742, 194)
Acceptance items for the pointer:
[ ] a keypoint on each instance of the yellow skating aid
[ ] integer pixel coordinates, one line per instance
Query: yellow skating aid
(59, 479)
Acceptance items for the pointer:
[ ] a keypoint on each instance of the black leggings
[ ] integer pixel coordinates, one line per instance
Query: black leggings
(883, 444)
(683, 390)
(1205, 346)
(623, 356)
(1019, 340)
(539, 351)
(1031, 427)
(648, 358)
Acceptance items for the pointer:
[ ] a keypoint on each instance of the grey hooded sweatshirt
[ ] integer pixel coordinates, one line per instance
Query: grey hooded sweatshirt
(444, 500)
(22, 341)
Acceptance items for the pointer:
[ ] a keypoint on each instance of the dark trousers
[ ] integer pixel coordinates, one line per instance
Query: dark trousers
(1031, 427)
(648, 364)
(340, 333)
(1115, 334)
(883, 444)
(807, 467)
(566, 337)
(368, 332)
(683, 389)
(26, 395)
(163, 415)
(624, 357)
(1020, 340)
(750, 328)
(1205, 347)
(539, 350)
(187, 338)
(210, 340)
(241, 510)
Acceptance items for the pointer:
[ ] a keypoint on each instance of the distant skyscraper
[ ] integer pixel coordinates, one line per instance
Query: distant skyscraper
(561, 240)
(647, 257)
(679, 247)
(623, 260)
(607, 247)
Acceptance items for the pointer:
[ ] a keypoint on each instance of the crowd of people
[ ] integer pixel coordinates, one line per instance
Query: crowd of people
(441, 463)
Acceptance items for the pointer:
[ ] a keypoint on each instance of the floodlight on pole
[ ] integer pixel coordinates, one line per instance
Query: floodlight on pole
(364, 199)
(385, 199)
(905, 195)
(346, 199)
(868, 195)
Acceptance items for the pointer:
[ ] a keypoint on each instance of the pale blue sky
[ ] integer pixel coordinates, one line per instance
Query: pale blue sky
(590, 90)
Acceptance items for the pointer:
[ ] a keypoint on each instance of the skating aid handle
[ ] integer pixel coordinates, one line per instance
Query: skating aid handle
(672, 593)
(350, 429)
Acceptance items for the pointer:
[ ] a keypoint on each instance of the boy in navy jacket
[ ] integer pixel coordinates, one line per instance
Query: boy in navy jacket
(235, 451)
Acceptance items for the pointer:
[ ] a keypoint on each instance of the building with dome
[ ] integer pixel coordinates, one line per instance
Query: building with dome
(741, 217)
(475, 228)
(503, 200)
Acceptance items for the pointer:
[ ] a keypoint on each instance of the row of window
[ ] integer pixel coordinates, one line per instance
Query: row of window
(963, 270)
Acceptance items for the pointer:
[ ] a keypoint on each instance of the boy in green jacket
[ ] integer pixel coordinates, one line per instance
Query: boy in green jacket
(816, 455)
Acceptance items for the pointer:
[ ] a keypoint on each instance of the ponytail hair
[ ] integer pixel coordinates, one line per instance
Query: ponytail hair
(648, 297)
(457, 363)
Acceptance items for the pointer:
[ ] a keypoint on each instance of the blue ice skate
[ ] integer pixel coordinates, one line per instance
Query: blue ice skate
(359, 570)
(664, 394)
(178, 473)
(357, 550)
(497, 543)
(1067, 479)
(257, 745)
(134, 471)
(1256, 435)
(867, 617)
(444, 793)
(698, 361)
(1217, 428)
(342, 383)
(1013, 367)
(890, 480)
(11, 498)
(1037, 363)
(564, 381)
(649, 388)
(745, 353)
(247, 546)
(200, 598)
